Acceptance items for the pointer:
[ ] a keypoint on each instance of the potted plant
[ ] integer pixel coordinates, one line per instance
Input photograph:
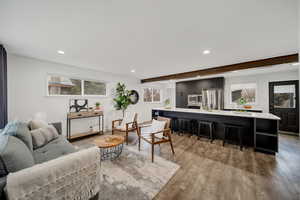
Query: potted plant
(167, 103)
(122, 99)
(241, 102)
(97, 104)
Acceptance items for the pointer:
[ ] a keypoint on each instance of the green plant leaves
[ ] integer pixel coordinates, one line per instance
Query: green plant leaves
(122, 100)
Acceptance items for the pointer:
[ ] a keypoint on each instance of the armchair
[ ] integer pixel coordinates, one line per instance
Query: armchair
(156, 133)
(125, 125)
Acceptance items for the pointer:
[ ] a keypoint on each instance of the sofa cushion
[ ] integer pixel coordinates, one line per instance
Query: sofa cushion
(19, 130)
(36, 124)
(15, 155)
(53, 149)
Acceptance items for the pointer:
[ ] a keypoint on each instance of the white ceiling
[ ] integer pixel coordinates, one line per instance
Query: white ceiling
(153, 37)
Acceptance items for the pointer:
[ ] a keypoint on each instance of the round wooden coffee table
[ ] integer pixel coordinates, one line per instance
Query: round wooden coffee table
(111, 146)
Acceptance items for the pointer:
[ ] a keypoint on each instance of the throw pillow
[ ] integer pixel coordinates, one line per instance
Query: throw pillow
(36, 124)
(53, 132)
(43, 136)
(38, 138)
(50, 133)
(15, 156)
(158, 125)
(19, 130)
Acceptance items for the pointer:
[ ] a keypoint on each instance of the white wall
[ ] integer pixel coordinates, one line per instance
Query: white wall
(27, 92)
(262, 81)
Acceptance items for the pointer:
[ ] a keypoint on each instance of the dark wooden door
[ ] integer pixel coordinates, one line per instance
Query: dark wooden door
(284, 102)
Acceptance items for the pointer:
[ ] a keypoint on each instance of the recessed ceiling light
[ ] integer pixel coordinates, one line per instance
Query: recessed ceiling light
(132, 71)
(295, 64)
(60, 52)
(205, 52)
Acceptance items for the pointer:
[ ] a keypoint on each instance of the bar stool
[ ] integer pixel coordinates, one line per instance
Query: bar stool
(183, 125)
(239, 128)
(174, 124)
(210, 125)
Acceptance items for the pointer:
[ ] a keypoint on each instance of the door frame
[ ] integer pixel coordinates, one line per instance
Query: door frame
(289, 82)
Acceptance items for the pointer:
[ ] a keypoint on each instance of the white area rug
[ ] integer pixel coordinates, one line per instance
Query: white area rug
(133, 176)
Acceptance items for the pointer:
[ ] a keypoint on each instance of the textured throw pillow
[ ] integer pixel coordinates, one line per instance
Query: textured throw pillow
(53, 132)
(50, 133)
(19, 130)
(43, 136)
(36, 124)
(38, 138)
(157, 125)
(15, 155)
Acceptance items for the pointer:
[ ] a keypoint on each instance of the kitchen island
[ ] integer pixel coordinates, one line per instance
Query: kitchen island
(260, 129)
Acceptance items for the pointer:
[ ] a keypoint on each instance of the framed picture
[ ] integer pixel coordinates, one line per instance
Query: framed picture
(247, 91)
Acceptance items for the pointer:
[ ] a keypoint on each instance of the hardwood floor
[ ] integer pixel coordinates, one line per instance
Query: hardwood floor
(211, 171)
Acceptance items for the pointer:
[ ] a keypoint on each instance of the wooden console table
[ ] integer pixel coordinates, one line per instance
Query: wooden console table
(81, 115)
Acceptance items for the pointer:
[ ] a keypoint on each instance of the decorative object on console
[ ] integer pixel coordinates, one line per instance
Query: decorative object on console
(97, 104)
(134, 97)
(77, 105)
(122, 99)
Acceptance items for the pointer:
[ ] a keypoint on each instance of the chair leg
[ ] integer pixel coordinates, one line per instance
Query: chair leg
(225, 130)
(199, 129)
(139, 144)
(172, 148)
(126, 138)
(211, 133)
(112, 131)
(152, 154)
(241, 140)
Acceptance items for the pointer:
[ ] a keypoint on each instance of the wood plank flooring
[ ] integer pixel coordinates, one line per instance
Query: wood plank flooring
(212, 172)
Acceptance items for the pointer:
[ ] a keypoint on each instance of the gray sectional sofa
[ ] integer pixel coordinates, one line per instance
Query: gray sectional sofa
(15, 155)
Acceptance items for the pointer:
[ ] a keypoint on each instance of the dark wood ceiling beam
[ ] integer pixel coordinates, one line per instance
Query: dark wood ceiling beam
(228, 68)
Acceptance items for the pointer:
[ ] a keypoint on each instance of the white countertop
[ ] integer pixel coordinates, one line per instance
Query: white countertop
(224, 113)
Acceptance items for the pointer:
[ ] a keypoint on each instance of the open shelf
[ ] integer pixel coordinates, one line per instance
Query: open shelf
(267, 126)
(267, 143)
(79, 135)
(266, 134)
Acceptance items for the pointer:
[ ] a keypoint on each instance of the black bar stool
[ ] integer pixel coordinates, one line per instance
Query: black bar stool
(183, 125)
(210, 125)
(174, 124)
(239, 128)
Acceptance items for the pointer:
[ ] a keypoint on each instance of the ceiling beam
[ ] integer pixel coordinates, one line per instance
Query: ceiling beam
(227, 68)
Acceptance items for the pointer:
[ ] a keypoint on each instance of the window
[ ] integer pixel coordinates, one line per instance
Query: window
(152, 95)
(94, 88)
(61, 86)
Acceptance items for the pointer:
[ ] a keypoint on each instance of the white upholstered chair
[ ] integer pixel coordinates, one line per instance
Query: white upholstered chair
(156, 133)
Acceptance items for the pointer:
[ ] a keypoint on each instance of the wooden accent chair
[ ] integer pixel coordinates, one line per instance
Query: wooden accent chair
(125, 125)
(160, 136)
